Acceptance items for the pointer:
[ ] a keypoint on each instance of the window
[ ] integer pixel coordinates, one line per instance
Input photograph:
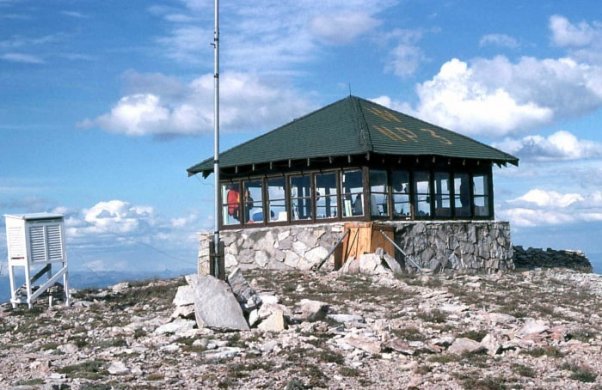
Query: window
(481, 195)
(462, 195)
(379, 193)
(442, 187)
(353, 193)
(301, 203)
(231, 206)
(422, 202)
(276, 200)
(253, 201)
(326, 195)
(400, 181)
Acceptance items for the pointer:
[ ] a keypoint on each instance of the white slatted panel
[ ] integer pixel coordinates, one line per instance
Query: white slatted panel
(55, 242)
(37, 243)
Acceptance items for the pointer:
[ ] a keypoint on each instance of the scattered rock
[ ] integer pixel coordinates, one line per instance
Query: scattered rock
(364, 343)
(184, 296)
(215, 306)
(176, 327)
(532, 326)
(309, 310)
(347, 318)
(120, 288)
(118, 368)
(463, 345)
(245, 294)
(493, 343)
(274, 322)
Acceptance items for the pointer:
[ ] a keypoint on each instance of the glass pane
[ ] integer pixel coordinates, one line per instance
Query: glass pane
(300, 197)
(353, 193)
(480, 183)
(481, 195)
(442, 194)
(277, 200)
(422, 191)
(400, 181)
(378, 193)
(231, 204)
(326, 195)
(253, 202)
(462, 195)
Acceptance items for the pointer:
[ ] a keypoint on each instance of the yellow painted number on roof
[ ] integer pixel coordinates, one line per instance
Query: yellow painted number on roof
(438, 137)
(386, 115)
(398, 133)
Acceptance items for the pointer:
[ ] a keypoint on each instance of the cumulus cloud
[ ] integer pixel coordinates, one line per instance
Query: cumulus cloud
(163, 106)
(117, 223)
(460, 97)
(555, 199)
(562, 145)
(501, 40)
(498, 97)
(114, 218)
(567, 34)
(539, 207)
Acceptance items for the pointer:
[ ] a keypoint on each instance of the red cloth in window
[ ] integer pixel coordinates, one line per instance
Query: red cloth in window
(233, 198)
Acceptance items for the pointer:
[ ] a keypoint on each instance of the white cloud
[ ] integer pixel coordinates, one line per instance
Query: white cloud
(406, 56)
(74, 14)
(267, 36)
(564, 33)
(188, 44)
(247, 102)
(548, 199)
(501, 40)
(458, 97)
(114, 218)
(343, 27)
(583, 40)
(117, 223)
(539, 207)
(21, 58)
(496, 97)
(561, 145)
(499, 97)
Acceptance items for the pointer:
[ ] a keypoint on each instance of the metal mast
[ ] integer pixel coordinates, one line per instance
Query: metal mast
(216, 138)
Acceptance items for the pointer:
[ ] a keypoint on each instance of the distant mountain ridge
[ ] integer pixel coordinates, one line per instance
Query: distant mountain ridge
(80, 280)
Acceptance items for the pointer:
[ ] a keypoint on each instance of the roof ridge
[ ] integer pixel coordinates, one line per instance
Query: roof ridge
(361, 123)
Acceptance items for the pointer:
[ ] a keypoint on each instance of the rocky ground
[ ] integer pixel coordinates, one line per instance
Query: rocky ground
(524, 329)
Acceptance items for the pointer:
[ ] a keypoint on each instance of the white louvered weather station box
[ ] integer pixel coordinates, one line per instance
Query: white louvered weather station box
(35, 243)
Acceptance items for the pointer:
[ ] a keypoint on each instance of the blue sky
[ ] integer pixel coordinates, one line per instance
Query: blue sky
(104, 104)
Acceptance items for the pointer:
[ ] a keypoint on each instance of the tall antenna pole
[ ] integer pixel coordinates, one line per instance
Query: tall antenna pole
(216, 139)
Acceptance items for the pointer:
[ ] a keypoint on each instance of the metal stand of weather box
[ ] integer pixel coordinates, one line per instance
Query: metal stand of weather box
(36, 243)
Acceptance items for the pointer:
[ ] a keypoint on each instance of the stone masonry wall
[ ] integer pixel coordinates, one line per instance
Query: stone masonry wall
(285, 247)
(472, 246)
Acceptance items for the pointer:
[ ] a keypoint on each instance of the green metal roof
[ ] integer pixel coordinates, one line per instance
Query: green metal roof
(353, 126)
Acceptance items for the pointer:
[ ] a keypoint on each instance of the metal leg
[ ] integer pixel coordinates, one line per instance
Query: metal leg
(66, 286)
(13, 293)
(28, 285)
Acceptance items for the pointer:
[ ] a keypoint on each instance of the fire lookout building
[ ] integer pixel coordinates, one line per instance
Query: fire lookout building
(288, 196)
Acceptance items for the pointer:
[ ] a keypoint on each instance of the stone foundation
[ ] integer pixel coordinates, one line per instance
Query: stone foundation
(473, 246)
(482, 246)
